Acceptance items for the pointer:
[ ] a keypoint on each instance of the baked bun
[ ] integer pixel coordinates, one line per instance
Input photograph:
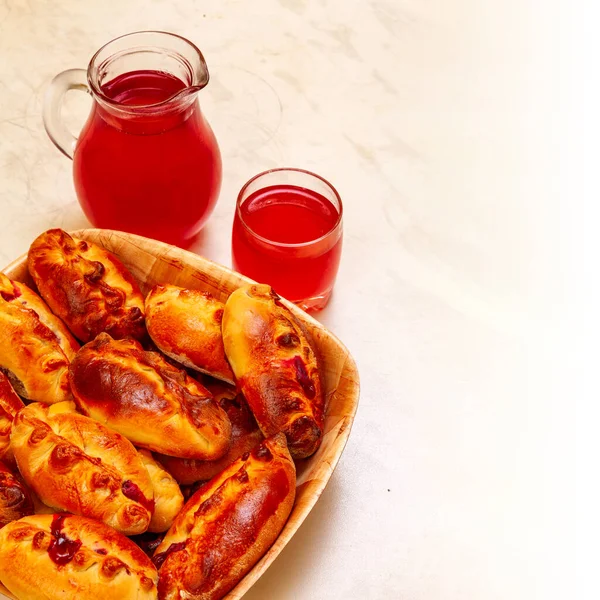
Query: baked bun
(275, 367)
(168, 498)
(227, 525)
(15, 499)
(66, 557)
(86, 286)
(245, 435)
(10, 405)
(35, 346)
(39, 508)
(75, 464)
(186, 326)
(154, 404)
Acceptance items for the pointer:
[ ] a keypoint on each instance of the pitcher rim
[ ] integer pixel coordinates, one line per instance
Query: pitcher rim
(93, 69)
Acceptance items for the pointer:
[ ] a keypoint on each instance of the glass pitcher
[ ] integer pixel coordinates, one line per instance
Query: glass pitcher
(146, 161)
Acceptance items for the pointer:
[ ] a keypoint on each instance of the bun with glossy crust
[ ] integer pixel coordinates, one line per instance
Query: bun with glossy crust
(10, 405)
(15, 499)
(275, 367)
(47, 557)
(35, 346)
(227, 525)
(168, 498)
(154, 404)
(186, 326)
(86, 286)
(77, 465)
(245, 435)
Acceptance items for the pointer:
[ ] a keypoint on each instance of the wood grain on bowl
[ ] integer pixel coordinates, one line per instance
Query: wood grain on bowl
(153, 262)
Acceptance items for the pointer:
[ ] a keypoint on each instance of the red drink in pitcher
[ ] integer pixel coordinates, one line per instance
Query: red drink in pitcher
(155, 177)
(287, 232)
(146, 161)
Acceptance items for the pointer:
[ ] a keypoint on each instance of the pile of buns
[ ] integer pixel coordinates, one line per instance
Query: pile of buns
(115, 409)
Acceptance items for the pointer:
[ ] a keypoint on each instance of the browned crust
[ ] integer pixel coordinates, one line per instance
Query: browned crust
(227, 525)
(15, 499)
(105, 565)
(86, 286)
(10, 405)
(275, 366)
(186, 326)
(168, 498)
(148, 400)
(35, 346)
(245, 435)
(77, 465)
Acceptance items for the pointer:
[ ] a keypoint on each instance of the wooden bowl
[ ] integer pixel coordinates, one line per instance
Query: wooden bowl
(153, 262)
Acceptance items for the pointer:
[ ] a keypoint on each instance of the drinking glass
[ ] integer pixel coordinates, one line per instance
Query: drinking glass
(287, 232)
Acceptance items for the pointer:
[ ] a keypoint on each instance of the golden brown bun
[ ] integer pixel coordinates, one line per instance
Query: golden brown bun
(149, 401)
(168, 498)
(86, 286)
(39, 508)
(186, 326)
(66, 557)
(227, 525)
(75, 464)
(245, 435)
(15, 499)
(275, 367)
(35, 346)
(10, 405)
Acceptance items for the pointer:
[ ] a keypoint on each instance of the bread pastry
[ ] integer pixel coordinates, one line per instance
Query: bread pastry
(186, 326)
(15, 499)
(245, 435)
(75, 464)
(227, 525)
(68, 557)
(168, 498)
(86, 286)
(148, 400)
(35, 346)
(275, 367)
(39, 508)
(10, 405)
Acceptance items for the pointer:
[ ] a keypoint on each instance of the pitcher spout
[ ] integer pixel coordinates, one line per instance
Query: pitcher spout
(187, 93)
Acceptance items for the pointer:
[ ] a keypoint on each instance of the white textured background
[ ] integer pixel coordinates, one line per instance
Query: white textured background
(447, 127)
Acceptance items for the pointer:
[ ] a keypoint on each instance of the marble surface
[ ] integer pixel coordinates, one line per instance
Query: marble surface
(429, 117)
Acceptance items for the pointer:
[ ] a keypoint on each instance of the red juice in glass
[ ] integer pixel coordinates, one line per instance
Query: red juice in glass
(287, 232)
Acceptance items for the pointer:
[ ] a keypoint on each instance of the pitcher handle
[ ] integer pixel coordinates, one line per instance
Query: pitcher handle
(71, 79)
